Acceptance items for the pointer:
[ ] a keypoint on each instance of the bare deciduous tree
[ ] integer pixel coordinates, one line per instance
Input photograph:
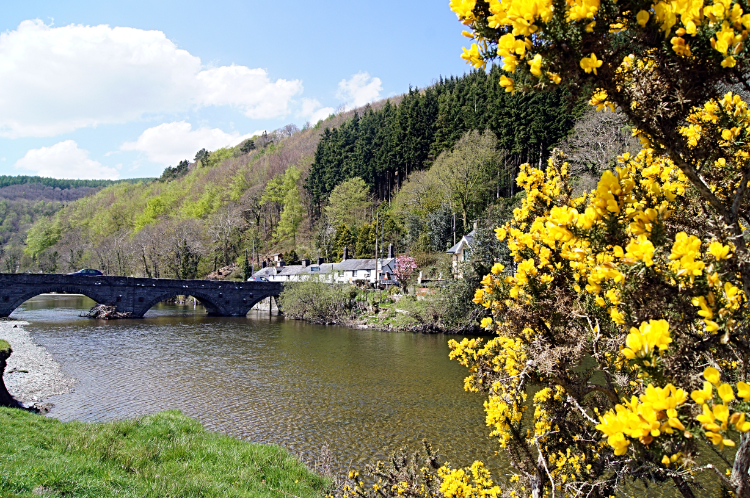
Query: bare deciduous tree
(224, 228)
(597, 139)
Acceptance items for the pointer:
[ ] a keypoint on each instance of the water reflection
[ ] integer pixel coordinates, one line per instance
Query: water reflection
(363, 393)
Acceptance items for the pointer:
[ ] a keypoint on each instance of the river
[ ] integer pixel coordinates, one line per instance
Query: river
(361, 393)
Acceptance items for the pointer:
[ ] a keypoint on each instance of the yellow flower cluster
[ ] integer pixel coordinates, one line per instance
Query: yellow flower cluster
(643, 342)
(727, 121)
(542, 424)
(654, 413)
(473, 482)
(566, 465)
(716, 418)
(685, 256)
(544, 237)
(601, 243)
(522, 25)
(521, 19)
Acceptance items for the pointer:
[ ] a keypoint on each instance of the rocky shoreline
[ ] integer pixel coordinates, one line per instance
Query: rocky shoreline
(32, 375)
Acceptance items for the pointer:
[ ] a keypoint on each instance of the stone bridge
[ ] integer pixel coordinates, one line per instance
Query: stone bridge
(136, 295)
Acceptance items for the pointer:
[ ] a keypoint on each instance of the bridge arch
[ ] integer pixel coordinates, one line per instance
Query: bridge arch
(206, 300)
(90, 293)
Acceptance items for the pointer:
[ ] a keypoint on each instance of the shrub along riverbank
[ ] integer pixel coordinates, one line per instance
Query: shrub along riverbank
(166, 454)
(446, 309)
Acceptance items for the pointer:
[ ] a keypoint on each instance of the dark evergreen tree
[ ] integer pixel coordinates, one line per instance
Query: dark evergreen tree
(383, 147)
(247, 146)
(202, 155)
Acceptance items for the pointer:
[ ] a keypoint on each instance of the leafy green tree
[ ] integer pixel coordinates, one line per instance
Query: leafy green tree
(344, 238)
(217, 157)
(40, 236)
(278, 188)
(421, 194)
(466, 172)
(349, 203)
(291, 216)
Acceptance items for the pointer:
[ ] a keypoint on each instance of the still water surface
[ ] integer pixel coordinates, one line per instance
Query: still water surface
(268, 380)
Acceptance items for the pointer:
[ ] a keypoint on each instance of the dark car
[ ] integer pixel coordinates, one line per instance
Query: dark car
(257, 279)
(88, 272)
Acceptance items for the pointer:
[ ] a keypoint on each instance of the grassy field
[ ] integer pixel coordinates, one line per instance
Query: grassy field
(162, 455)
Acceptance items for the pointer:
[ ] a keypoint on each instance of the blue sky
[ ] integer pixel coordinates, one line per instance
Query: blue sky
(92, 89)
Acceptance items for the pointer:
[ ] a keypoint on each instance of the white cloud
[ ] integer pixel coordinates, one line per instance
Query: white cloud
(321, 114)
(247, 88)
(170, 143)
(359, 90)
(312, 111)
(55, 80)
(65, 160)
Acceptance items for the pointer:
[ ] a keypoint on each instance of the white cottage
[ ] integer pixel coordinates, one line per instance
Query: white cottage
(461, 252)
(349, 271)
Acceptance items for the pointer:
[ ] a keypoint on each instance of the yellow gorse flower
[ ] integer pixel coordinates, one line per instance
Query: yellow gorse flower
(652, 337)
(644, 418)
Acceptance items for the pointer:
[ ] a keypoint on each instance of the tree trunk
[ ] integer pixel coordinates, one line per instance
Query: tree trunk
(145, 264)
(739, 477)
(5, 398)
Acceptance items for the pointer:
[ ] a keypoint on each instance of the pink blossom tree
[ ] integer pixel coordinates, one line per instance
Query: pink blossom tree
(405, 266)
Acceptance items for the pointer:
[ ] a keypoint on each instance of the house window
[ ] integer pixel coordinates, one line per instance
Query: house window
(467, 254)
(314, 268)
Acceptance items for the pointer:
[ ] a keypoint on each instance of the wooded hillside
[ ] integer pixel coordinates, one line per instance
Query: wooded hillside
(277, 192)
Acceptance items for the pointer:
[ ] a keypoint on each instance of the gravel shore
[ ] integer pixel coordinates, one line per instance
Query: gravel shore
(32, 374)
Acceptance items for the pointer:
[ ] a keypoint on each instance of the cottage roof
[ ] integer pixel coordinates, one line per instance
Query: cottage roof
(355, 264)
(265, 272)
(289, 270)
(467, 239)
(388, 263)
(322, 268)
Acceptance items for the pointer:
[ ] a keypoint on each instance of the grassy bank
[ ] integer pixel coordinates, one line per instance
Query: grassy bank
(161, 455)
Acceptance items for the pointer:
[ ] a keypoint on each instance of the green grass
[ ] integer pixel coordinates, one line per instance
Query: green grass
(4, 346)
(162, 455)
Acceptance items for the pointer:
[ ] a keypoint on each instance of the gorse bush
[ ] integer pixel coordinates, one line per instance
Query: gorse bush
(626, 310)
(621, 348)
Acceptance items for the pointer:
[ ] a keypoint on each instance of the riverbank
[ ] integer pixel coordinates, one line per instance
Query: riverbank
(166, 454)
(426, 311)
(32, 375)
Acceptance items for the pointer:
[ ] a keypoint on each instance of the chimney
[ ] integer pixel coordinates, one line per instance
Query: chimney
(475, 225)
(305, 263)
(263, 264)
(320, 260)
(390, 251)
(346, 254)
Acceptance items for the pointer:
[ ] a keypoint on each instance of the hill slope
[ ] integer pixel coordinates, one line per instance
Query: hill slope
(270, 193)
